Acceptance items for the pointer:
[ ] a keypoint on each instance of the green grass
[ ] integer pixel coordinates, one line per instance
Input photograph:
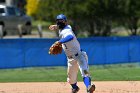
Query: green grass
(125, 72)
(32, 74)
(116, 73)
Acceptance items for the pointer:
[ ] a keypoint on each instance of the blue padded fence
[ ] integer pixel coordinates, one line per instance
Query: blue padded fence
(16, 53)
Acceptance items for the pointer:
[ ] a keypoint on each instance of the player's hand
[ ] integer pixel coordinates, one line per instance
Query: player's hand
(53, 27)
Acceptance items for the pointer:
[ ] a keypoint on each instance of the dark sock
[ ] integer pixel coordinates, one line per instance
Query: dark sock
(74, 86)
(87, 81)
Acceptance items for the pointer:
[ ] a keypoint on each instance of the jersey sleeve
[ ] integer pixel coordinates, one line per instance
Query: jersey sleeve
(66, 39)
(67, 36)
(67, 33)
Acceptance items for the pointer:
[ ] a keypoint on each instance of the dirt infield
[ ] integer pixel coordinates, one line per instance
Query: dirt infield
(63, 87)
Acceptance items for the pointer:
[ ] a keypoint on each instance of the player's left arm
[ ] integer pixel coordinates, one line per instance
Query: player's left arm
(66, 39)
(56, 48)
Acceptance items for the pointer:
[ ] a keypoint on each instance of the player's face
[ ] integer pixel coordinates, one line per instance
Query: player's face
(61, 23)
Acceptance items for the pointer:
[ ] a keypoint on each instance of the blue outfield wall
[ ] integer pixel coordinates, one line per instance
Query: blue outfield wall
(16, 53)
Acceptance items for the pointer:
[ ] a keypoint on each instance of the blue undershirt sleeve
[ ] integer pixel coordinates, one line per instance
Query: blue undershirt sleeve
(66, 39)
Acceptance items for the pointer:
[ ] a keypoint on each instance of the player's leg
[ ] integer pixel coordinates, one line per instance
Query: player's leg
(72, 75)
(84, 69)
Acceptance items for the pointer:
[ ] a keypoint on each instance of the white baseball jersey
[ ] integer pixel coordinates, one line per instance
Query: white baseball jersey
(72, 47)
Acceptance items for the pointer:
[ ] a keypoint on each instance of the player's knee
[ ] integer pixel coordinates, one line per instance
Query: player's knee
(85, 73)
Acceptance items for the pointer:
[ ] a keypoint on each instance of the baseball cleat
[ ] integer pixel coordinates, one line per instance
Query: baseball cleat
(91, 89)
(75, 90)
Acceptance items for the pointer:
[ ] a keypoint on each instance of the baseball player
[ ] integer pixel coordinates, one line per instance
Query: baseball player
(76, 57)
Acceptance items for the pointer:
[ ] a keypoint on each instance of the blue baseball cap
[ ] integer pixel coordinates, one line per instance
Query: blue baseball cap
(61, 16)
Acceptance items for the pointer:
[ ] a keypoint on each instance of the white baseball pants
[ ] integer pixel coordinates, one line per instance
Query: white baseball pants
(74, 64)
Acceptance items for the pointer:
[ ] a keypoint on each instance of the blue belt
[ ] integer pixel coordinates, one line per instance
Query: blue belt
(75, 54)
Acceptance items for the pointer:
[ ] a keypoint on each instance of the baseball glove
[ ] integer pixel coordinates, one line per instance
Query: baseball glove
(56, 48)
